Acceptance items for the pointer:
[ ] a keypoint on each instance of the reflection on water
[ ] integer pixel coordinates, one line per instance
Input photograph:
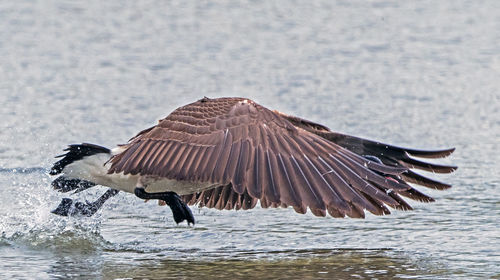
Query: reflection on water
(314, 264)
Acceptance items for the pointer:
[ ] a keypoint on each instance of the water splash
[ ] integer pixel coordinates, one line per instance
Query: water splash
(27, 221)
(24, 170)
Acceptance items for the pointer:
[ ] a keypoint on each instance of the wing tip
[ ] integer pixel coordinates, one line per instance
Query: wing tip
(431, 153)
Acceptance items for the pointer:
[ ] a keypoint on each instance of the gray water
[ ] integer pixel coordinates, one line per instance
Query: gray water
(421, 74)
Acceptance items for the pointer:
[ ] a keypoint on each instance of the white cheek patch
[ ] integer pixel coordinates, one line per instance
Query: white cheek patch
(89, 168)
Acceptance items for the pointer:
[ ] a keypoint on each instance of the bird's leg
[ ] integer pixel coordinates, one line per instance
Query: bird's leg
(180, 210)
(88, 209)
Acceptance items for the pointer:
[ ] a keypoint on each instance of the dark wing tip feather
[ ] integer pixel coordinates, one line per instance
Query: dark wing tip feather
(416, 178)
(417, 195)
(430, 153)
(431, 167)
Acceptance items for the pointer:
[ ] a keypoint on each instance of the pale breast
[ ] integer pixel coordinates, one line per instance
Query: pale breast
(179, 187)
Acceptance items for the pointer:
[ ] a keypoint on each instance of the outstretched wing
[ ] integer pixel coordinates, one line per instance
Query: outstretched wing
(388, 154)
(257, 154)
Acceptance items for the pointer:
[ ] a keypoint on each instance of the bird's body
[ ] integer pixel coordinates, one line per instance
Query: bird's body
(229, 153)
(95, 169)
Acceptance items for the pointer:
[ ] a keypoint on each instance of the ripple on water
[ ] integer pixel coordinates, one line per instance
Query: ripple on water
(290, 264)
(59, 237)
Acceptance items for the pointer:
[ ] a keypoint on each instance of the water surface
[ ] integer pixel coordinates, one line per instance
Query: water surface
(420, 74)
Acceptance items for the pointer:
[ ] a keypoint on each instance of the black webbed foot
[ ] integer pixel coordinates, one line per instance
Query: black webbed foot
(179, 209)
(63, 209)
(67, 208)
(85, 209)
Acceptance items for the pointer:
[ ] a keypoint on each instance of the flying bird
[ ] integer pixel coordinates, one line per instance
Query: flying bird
(230, 153)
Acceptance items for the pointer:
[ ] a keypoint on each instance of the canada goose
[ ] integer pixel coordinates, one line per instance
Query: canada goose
(229, 153)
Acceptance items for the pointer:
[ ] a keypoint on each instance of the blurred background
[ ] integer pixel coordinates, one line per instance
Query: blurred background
(421, 74)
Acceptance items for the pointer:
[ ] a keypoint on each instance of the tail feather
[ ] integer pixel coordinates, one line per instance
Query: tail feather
(76, 152)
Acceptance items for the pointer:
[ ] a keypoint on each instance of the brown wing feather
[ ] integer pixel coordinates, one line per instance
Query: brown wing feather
(391, 156)
(254, 153)
(223, 197)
